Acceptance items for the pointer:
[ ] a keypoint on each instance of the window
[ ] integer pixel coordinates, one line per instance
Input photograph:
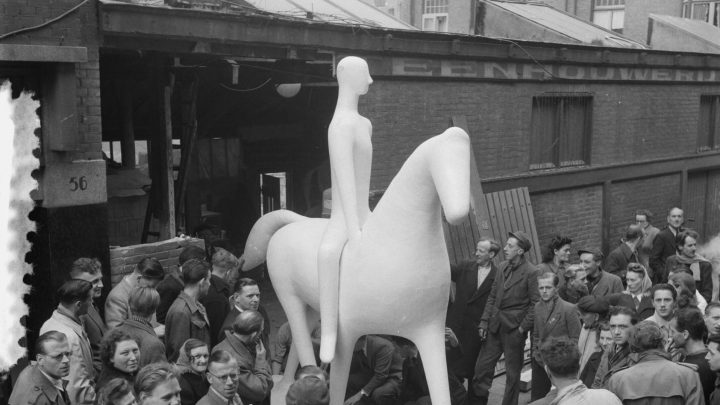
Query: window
(609, 14)
(709, 123)
(561, 130)
(708, 11)
(435, 15)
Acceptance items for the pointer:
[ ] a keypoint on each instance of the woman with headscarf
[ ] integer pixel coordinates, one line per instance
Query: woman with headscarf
(191, 368)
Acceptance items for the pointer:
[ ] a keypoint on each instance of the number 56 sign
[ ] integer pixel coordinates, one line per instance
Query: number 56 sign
(77, 183)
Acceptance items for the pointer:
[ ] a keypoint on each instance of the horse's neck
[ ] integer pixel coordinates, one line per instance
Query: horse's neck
(411, 203)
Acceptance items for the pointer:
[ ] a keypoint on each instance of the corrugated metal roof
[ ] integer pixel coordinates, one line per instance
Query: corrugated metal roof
(566, 24)
(700, 29)
(335, 11)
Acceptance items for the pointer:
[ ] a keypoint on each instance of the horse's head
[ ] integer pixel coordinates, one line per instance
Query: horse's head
(450, 169)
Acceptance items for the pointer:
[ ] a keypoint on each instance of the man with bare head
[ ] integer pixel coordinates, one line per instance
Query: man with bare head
(664, 245)
(350, 160)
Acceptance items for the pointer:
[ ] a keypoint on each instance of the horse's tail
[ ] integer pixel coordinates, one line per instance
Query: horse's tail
(265, 227)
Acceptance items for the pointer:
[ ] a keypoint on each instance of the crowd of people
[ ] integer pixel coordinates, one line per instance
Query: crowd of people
(639, 326)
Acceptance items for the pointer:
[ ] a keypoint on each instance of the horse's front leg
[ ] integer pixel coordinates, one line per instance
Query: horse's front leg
(340, 367)
(430, 342)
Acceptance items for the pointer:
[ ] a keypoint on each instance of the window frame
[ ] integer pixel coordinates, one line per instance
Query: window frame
(708, 138)
(559, 122)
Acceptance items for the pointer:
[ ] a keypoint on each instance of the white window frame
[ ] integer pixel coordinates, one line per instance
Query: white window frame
(713, 16)
(616, 9)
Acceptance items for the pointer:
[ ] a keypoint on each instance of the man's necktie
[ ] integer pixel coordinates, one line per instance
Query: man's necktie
(637, 302)
(64, 394)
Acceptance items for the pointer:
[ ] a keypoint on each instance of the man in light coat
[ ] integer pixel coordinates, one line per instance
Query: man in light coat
(148, 273)
(75, 296)
(42, 383)
(654, 378)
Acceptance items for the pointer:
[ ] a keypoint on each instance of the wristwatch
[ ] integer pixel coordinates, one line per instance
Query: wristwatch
(363, 393)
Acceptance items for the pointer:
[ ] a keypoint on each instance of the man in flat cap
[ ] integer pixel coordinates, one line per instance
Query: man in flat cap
(507, 318)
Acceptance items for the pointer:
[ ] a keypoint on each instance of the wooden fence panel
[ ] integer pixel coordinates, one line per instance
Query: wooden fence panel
(508, 210)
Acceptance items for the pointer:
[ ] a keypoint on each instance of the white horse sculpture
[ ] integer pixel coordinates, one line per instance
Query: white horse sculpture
(394, 281)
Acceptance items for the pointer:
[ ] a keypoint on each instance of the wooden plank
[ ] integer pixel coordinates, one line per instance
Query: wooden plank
(188, 144)
(448, 242)
(127, 143)
(531, 219)
(167, 190)
(477, 199)
(508, 215)
(43, 53)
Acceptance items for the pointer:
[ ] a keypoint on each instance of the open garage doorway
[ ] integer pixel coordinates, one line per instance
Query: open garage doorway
(237, 136)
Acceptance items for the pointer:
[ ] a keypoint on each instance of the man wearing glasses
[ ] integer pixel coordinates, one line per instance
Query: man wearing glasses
(42, 383)
(223, 378)
(75, 296)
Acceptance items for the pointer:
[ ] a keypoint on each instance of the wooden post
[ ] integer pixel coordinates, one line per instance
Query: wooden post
(477, 198)
(127, 145)
(167, 189)
(189, 139)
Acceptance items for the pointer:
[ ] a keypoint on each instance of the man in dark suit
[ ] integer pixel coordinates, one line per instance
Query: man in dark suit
(90, 270)
(473, 282)
(600, 283)
(507, 317)
(375, 372)
(553, 318)
(216, 301)
(617, 261)
(246, 297)
(664, 246)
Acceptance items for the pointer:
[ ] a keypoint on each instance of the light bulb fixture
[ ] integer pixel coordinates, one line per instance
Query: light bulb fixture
(288, 90)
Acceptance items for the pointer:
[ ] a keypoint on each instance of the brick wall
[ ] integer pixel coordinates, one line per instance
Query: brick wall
(574, 213)
(657, 194)
(77, 29)
(630, 122)
(124, 259)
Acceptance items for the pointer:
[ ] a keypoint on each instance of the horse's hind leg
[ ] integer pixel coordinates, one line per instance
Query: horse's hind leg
(280, 389)
(296, 312)
(430, 342)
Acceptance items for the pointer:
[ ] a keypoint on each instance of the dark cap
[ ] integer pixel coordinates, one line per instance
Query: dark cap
(523, 240)
(308, 391)
(597, 255)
